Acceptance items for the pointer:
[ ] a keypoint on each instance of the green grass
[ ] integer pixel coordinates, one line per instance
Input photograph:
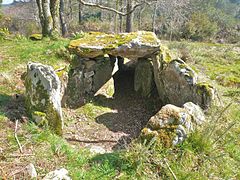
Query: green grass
(212, 152)
(221, 62)
(19, 52)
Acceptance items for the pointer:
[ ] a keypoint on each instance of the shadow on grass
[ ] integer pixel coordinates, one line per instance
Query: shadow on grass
(13, 107)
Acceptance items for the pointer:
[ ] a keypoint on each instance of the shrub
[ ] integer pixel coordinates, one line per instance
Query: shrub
(199, 27)
(4, 32)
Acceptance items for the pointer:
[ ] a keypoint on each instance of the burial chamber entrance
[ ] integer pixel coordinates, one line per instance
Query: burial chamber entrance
(103, 56)
(117, 87)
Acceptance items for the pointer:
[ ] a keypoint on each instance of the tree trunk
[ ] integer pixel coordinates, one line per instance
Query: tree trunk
(116, 18)
(41, 16)
(100, 15)
(54, 8)
(140, 18)
(49, 17)
(154, 18)
(70, 9)
(129, 18)
(62, 19)
(48, 21)
(120, 16)
(79, 13)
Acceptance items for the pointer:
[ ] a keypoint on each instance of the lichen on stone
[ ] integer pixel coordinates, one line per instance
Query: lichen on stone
(40, 118)
(43, 94)
(170, 126)
(35, 37)
(95, 44)
(204, 87)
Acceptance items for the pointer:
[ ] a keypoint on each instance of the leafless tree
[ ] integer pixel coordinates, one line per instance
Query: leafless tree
(173, 14)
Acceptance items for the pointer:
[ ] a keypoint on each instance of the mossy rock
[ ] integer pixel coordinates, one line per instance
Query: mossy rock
(204, 87)
(43, 95)
(129, 45)
(204, 94)
(169, 126)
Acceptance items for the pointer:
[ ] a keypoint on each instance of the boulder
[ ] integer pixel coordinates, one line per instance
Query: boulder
(130, 45)
(62, 73)
(172, 124)
(43, 95)
(177, 83)
(103, 72)
(143, 77)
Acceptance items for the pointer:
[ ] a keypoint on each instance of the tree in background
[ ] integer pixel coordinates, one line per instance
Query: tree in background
(49, 17)
(199, 27)
(175, 19)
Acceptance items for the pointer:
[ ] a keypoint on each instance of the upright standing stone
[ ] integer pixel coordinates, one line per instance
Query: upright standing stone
(177, 83)
(143, 77)
(43, 95)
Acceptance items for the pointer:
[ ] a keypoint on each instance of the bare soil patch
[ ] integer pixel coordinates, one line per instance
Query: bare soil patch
(113, 129)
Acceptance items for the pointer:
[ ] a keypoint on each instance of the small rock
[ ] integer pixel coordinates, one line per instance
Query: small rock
(31, 170)
(97, 150)
(59, 174)
(35, 37)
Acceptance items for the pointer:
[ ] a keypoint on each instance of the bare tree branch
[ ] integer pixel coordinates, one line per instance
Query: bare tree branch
(112, 9)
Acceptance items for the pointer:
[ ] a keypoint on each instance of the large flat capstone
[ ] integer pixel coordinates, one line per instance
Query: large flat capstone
(130, 45)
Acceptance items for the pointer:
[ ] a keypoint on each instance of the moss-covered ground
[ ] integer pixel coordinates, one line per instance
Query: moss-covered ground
(212, 152)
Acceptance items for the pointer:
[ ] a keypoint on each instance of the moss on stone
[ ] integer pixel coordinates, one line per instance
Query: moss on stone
(61, 72)
(165, 54)
(35, 37)
(107, 41)
(204, 87)
(163, 136)
(102, 43)
(40, 118)
(40, 114)
(38, 104)
(190, 72)
(166, 135)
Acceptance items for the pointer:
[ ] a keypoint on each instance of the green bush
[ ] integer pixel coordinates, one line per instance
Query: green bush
(200, 27)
